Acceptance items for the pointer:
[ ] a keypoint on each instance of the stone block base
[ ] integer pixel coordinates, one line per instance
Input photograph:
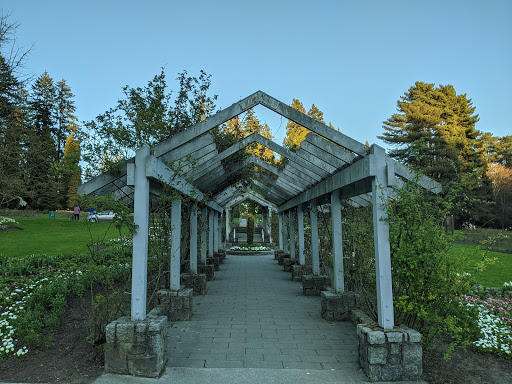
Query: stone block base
(314, 285)
(221, 255)
(288, 263)
(208, 270)
(196, 282)
(136, 347)
(278, 253)
(176, 305)
(299, 270)
(393, 355)
(281, 257)
(339, 306)
(215, 261)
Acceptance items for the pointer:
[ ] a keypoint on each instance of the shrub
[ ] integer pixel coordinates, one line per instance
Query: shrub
(427, 281)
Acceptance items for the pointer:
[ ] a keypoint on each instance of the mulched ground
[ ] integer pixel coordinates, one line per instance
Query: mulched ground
(72, 359)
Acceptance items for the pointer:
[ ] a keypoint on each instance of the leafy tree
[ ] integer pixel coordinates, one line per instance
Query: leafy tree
(70, 170)
(434, 132)
(501, 178)
(145, 115)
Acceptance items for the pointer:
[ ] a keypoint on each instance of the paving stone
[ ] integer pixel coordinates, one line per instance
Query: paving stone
(253, 316)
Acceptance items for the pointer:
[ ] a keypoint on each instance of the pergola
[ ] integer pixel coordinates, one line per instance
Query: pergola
(328, 167)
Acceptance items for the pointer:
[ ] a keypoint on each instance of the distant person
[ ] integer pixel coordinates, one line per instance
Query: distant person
(92, 212)
(76, 212)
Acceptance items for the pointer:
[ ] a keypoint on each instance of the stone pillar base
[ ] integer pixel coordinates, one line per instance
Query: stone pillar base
(208, 270)
(136, 347)
(221, 255)
(281, 257)
(394, 355)
(288, 263)
(196, 282)
(339, 306)
(314, 285)
(176, 305)
(299, 270)
(278, 253)
(213, 261)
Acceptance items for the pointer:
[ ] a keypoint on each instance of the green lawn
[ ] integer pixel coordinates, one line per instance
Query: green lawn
(40, 235)
(493, 275)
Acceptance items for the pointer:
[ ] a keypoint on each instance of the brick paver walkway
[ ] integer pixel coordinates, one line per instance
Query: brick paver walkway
(255, 316)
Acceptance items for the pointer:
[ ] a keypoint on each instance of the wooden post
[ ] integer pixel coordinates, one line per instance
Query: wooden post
(193, 239)
(291, 218)
(269, 225)
(300, 219)
(228, 223)
(204, 221)
(140, 237)
(381, 240)
(215, 231)
(281, 245)
(314, 237)
(210, 232)
(285, 232)
(337, 242)
(176, 244)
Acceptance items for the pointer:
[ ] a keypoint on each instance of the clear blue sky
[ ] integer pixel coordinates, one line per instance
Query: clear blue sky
(353, 59)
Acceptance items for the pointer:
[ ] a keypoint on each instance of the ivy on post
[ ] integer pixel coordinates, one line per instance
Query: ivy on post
(204, 221)
(314, 237)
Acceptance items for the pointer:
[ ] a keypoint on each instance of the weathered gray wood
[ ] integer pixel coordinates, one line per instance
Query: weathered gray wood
(104, 179)
(286, 241)
(291, 221)
(215, 232)
(312, 150)
(204, 223)
(381, 241)
(314, 237)
(300, 220)
(281, 244)
(140, 237)
(158, 171)
(312, 124)
(330, 147)
(184, 150)
(337, 242)
(228, 222)
(210, 232)
(315, 159)
(193, 239)
(350, 175)
(175, 245)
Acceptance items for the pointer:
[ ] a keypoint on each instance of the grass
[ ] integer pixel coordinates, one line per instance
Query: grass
(493, 275)
(40, 235)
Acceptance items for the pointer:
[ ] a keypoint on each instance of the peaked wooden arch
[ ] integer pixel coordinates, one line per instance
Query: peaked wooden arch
(328, 166)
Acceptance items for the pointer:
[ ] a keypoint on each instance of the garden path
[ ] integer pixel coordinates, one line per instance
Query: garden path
(255, 316)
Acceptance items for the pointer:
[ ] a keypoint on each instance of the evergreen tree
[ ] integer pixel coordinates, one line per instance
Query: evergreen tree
(65, 118)
(434, 132)
(295, 133)
(71, 171)
(12, 137)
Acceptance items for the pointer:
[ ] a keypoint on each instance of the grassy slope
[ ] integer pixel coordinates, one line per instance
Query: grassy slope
(493, 275)
(39, 235)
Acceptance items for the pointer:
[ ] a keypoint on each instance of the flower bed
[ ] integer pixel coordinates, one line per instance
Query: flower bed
(249, 248)
(495, 323)
(7, 223)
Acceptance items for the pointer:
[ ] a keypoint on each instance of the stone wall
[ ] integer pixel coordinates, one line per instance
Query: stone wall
(176, 305)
